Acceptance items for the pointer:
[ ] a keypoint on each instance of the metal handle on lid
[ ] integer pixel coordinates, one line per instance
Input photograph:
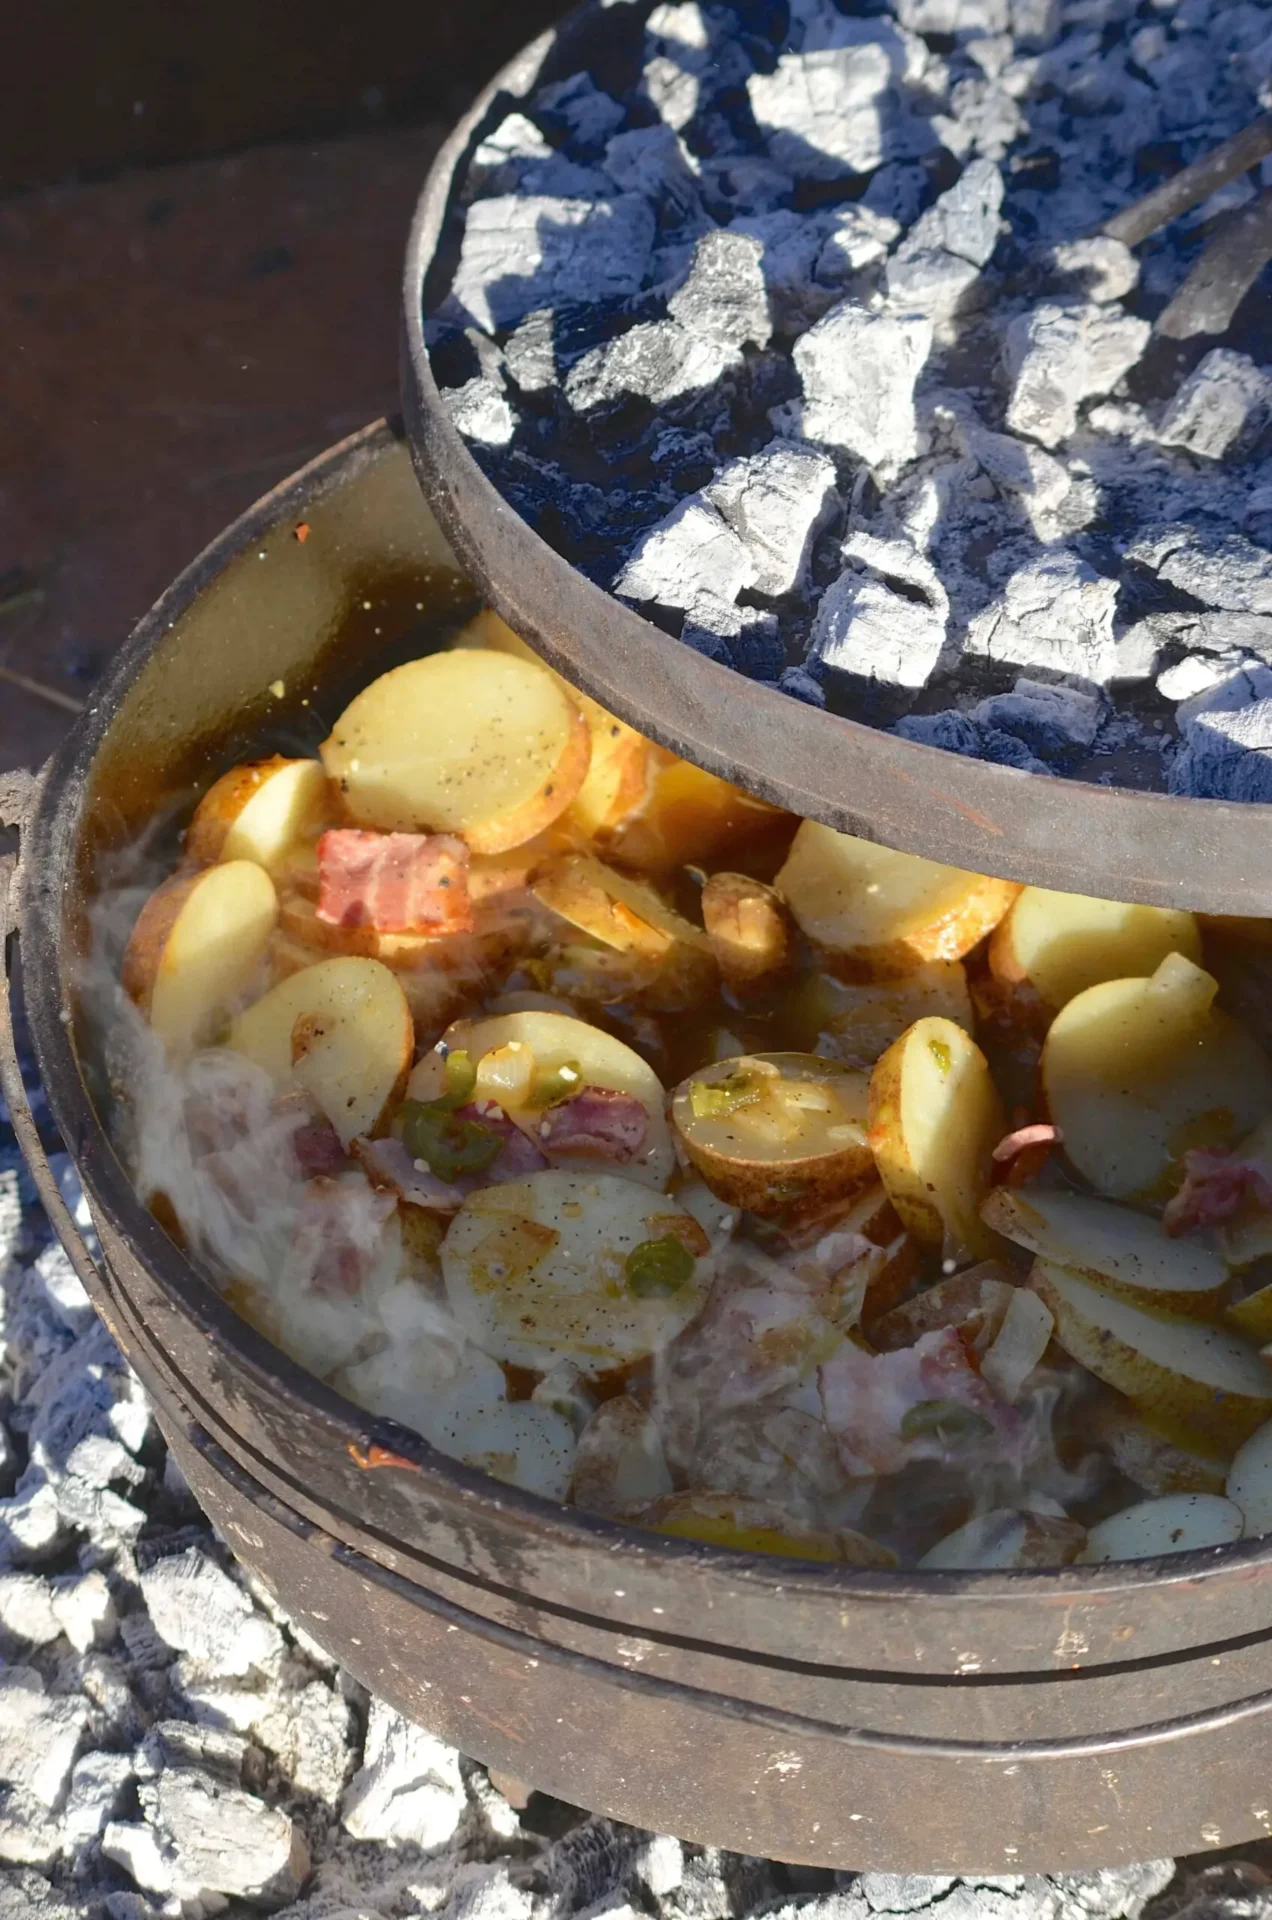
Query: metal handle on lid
(19, 793)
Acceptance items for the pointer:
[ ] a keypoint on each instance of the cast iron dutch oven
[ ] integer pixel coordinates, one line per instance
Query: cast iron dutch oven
(992, 1722)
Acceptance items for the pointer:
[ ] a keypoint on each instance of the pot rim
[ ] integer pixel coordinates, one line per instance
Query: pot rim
(1156, 848)
(48, 848)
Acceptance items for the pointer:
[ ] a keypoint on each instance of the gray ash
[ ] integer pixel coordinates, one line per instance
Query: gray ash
(790, 325)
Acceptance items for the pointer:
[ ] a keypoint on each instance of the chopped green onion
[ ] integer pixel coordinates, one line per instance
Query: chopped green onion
(941, 1054)
(447, 1145)
(717, 1099)
(551, 1085)
(948, 1421)
(461, 1079)
(657, 1268)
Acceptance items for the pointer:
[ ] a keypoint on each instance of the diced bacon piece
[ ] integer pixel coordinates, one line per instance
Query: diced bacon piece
(387, 1163)
(922, 1402)
(1216, 1185)
(317, 1148)
(1022, 1155)
(598, 1121)
(518, 1155)
(338, 1234)
(394, 882)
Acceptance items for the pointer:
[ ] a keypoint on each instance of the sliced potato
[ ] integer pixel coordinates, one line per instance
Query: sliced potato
(975, 1302)
(1174, 1523)
(780, 1134)
(1123, 1251)
(260, 812)
(478, 744)
(523, 1443)
(1135, 1072)
(1157, 1458)
(1250, 1482)
(1007, 1537)
(746, 925)
(199, 946)
(760, 1526)
(1053, 946)
(563, 1266)
(690, 817)
(856, 1023)
(1175, 1370)
(1019, 1345)
(342, 1031)
(935, 1118)
(619, 1467)
(620, 912)
(1247, 1236)
(525, 1060)
(876, 914)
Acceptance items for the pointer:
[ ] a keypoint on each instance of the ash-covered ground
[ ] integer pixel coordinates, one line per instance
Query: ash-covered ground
(791, 326)
(172, 1748)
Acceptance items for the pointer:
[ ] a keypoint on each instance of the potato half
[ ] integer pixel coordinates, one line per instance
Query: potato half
(746, 925)
(1053, 946)
(1123, 1251)
(1158, 1459)
(876, 914)
(759, 1526)
(975, 1302)
(1177, 1371)
(622, 913)
(198, 947)
(478, 744)
(340, 1030)
(780, 1134)
(689, 816)
(1007, 1537)
(1175, 1523)
(1250, 1482)
(593, 1269)
(260, 812)
(1134, 1072)
(935, 1118)
(524, 1060)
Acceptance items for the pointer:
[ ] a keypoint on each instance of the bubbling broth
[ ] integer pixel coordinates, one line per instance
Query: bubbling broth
(719, 1173)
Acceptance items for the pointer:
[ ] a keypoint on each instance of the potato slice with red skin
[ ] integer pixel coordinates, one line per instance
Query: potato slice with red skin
(261, 811)
(1007, 1537)
(198, 948)
(342, 1031)
(1175, 1370)
(620, 912)
(1249, 1482)
(479, 744)
(1158, 1458)
(793, 1147)
(871, 1214)
(1173, 1523)
(746, 925)
(1120, 1250)
(875, 914)
(935, 1118)
(1053, 946)
(975, 1302)
(1134, 1072)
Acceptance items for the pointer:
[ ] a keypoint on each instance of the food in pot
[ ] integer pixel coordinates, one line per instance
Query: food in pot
(722, 1174)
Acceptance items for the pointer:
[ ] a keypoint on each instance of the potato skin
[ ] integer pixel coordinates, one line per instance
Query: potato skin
(746, 924)
(911, 1194)
(150, 936)
(220, 807)
(542, 808)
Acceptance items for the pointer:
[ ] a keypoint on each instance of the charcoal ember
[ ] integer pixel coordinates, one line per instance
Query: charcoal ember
(500, 160)
(692, 53)
(951, 730)
(1017, 468)
(829, 112)
(897, 191)
(577, 109)
(757, 649)
(530, 353)
(940, 259)
(859, 371)
(955, 16)
(858, 236)
(1227, 740)
(724, 296)
(743, 183)
(29, 1837)
(40, 1735)
(672, 90)
(481, 411)
(1058, 356)
(1052, 720)
(655, 162)
(1222, 407)
(1055, 612)
(1221, 570)
(792, 247)
(775, 502)
(98, 1784)
(885, 617)
(1096, 267)
(202, 1836)
(197, 1609)
(522, 253)
(409, 1787)
(984, 118)
(692, 562)
(657, 360)
(1197, 673)
(683, 458)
